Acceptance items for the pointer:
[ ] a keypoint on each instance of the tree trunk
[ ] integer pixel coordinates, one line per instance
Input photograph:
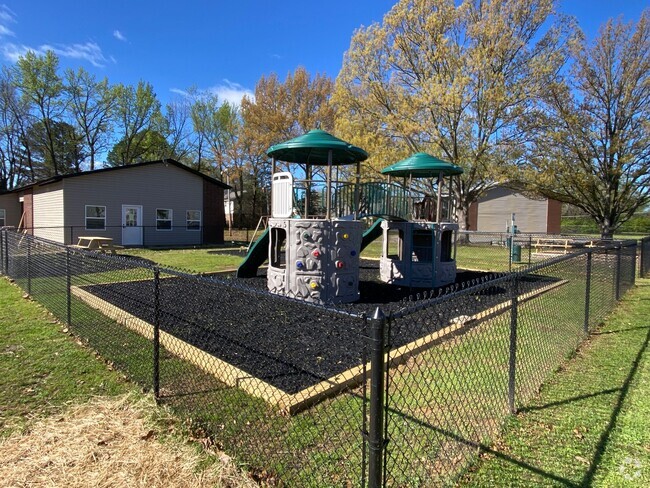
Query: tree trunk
(606, 229)
(462, 217)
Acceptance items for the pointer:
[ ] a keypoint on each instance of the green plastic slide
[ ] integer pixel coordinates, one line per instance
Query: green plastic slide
(257, 254)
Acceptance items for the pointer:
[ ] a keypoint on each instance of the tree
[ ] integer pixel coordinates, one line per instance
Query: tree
(594, 150)
(281, 111)
(151, 146)
(450, 80)
(91, 103)
(137, 111)
(177, 124)
(221, 130)
(40, 85)
(214, 122)
(16, 165)
(57, 150)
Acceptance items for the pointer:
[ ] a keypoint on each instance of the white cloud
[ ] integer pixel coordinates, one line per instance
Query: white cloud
(12, 52)
(88, 51)
(232, 92)
(227, 91)
(119, 36)
(6, 17)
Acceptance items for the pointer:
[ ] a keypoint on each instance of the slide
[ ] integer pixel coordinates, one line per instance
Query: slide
(258, 253)
(371, 234)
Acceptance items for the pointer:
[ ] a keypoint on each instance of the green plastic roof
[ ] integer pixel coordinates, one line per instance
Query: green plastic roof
(422, 165)
(313, 148)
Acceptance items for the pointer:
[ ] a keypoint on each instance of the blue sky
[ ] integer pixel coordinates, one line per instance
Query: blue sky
(221, 45)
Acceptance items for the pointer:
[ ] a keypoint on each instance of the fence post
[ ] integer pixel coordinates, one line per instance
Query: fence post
(511, 246)
(376, 428)
(67, 287)
(71, 234)
(530, 249)
(587, 293)
(156, 333)
(29, 266)
(512, 366)
(633, 267)
(618, 271)
(7, 253)
(2, 252)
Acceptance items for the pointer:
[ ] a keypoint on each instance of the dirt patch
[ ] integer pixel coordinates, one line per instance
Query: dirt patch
(109, 443)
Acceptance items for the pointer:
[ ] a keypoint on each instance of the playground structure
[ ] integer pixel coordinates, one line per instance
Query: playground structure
(421, 252)
(315, 233)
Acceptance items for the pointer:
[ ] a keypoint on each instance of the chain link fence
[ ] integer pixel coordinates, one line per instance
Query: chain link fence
(483, 352)
(308, 395)
(644, 261)
(506, 252)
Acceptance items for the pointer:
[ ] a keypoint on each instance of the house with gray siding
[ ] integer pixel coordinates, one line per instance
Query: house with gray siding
(156, 203)
(493, 211)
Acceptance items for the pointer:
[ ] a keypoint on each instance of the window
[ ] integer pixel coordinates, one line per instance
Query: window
(422, 245)
(3, 217)
(446, 246)
(163, 219)
(95, 217)
(193, 218)
(394, 244)
(278, 251)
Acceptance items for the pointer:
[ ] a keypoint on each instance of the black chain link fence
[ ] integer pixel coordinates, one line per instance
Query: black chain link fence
(644, 261)
(506, 252)
(307, 395)
(484, 352)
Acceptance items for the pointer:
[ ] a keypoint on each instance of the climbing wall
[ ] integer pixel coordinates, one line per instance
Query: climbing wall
(321, 260)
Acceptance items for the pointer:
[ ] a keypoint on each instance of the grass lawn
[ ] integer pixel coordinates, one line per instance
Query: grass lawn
(41, 368)
(590, 424)
(69, 419)
(201, 260)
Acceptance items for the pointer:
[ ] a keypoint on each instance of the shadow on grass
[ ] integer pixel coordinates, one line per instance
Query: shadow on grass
(604, 437)
(601, 447)
(478, 446)
(568, 400)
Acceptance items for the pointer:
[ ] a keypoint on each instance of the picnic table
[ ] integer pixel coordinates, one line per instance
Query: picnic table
(96, 243)
(557, 245)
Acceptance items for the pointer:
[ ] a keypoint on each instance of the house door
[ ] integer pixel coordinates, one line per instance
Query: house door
(131, 225)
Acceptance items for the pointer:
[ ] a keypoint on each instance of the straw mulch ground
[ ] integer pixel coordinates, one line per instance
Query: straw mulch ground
(110, 443)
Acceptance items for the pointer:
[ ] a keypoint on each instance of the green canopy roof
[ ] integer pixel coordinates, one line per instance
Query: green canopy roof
(313, 148)
(422, 165)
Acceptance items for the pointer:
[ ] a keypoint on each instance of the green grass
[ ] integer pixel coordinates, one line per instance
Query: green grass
(201, 260)
(589, 426)
(41, 367)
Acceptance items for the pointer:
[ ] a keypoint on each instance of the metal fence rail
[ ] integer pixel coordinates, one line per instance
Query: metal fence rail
(308, 395)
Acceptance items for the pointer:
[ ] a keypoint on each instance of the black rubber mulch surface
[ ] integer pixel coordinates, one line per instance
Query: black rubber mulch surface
(287, 343)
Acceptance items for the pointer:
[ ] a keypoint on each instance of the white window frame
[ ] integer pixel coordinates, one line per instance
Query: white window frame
(188, 220)
(170, 220)
(103, 229)
(3, 217)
